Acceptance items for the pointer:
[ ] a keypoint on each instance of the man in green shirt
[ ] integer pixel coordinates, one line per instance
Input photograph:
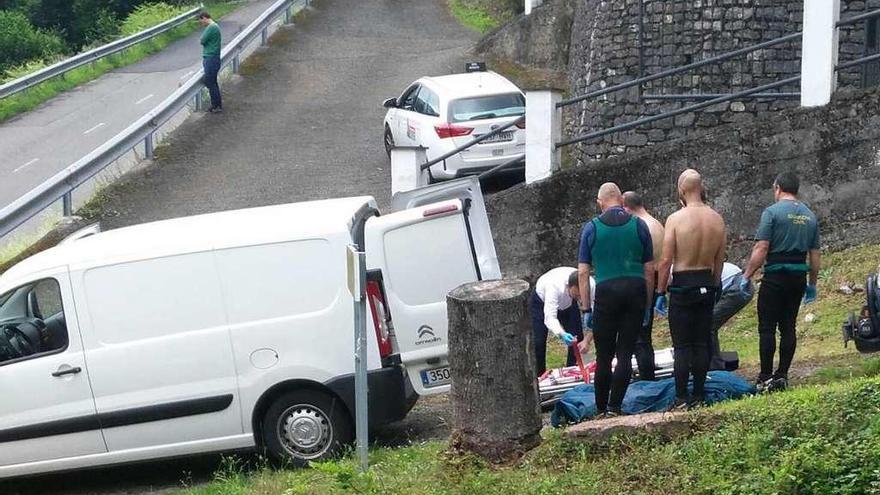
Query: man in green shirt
(787, 246)
(211, 41)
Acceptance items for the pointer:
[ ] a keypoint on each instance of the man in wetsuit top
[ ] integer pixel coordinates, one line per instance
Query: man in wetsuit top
(617, 247)
(644, 350)
(693, 246)
(787, 246)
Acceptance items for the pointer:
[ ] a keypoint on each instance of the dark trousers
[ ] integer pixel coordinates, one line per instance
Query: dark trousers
(644, 349)
(691, 298)
(569, 318)
(618, 312)
(731, 302)
(779, 301)
(212, 68)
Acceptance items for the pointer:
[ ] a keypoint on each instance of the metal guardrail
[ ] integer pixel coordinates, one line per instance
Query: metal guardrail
(64, 182)
(472, 142)
(60, 68)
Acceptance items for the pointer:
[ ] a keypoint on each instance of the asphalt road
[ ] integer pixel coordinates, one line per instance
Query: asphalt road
(37, 144)
(304, 122)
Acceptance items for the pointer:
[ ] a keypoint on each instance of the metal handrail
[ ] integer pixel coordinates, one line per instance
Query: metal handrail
(679, 70)
(673, 113)
(708, 96)
(65, 181)
(472, 142)
(856, 18)
(498, 168)
(858, 61)
(66, 65)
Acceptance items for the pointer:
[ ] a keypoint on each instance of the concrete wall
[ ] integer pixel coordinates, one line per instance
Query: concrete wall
(834, 149)
(539, 40)
(606, 49)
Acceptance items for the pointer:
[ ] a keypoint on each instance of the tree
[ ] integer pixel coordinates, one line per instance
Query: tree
(21, 42)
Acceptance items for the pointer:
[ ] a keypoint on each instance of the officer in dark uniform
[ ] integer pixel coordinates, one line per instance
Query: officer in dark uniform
(787, 247)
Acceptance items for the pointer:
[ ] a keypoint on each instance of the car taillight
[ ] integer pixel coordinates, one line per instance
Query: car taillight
(449, 130)
(381, 317)
(521, 124)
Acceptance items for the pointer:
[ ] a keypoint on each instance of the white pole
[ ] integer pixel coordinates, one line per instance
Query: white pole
(531, 4)
(357, 282)
(406, 173)
(819, 52)
(543, 130)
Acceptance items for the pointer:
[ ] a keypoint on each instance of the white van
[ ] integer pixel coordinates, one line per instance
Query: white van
(229, 331)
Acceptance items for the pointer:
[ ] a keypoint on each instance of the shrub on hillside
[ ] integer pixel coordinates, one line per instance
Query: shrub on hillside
(20, 41)
(148, 15)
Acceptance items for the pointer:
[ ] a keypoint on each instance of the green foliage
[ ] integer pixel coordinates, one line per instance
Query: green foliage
(484, 15)
(148, 15)
(21, 41)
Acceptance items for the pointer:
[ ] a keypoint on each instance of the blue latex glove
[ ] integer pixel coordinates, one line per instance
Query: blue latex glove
(745, 286)
(662, 305)
(810, 294)
(567, 339)
(587, 321)
(647, 318)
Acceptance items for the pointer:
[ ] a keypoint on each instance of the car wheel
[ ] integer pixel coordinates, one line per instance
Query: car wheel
(389, 141)
(305, 426)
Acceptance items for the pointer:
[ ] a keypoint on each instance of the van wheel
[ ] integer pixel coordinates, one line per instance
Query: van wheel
(305, 426)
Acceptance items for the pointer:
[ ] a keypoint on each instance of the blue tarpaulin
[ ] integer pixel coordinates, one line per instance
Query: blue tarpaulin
(579, 403)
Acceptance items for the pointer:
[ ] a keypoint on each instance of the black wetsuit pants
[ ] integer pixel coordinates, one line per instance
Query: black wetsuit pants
(644, 349)
(618, 312)
(779, 301)
(691, 298)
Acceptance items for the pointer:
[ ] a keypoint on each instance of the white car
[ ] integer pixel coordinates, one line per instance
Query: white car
(230, 331)
(445, 112)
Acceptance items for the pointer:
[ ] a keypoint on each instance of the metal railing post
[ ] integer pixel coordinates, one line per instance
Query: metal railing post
(288, 15)
(67, 204)
(543, 131)
(406, 172)
(819, 52)
(264, 36)
(531, 4)
(236, 63)
(148, 146)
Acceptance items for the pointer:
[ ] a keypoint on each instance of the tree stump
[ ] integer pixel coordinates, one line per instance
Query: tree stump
(496, 412)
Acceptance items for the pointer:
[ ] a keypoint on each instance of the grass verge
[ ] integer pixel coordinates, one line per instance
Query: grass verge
(481, 15)
(811, 440)
(33, 97)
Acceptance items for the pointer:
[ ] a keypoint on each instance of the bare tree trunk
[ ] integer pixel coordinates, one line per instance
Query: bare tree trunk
(496, 413)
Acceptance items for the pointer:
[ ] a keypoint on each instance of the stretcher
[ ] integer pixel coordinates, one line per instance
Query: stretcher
(555, 382)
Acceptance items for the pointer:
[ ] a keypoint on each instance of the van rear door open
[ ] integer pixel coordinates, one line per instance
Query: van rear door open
(423, 253)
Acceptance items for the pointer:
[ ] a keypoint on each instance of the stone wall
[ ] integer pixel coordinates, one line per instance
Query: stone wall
(606, 48)
(834, 150)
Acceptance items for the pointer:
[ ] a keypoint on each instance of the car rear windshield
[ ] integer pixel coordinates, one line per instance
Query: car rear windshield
(487, 107)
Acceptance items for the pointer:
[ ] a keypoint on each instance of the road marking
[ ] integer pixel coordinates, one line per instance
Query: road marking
(185, 76)
(145, 98)
(94, 128)
(28, 164)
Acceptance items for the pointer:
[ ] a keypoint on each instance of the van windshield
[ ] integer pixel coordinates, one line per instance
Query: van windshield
(487, 107)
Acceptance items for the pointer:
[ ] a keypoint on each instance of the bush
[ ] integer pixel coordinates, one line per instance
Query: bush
(148, 15)
(20, 41)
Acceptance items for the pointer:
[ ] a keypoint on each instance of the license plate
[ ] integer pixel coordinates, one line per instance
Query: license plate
(436, 377)
(501, 137)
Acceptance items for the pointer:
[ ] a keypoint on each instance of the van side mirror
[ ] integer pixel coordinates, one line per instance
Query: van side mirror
(390, 103)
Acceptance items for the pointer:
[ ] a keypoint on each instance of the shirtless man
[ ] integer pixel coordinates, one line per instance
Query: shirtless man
(693, 245)
(644, 350)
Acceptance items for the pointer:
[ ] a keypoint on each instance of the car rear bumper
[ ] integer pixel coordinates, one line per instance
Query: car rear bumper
(390, 398)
